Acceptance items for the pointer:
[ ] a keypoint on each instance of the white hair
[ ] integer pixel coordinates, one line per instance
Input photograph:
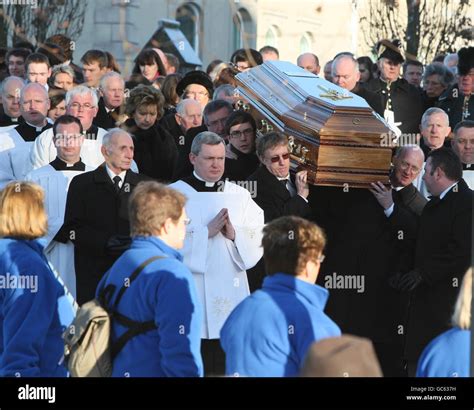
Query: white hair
(109, 75)
(82, 90)
(181, 107)
(107, 140)
(431, 111)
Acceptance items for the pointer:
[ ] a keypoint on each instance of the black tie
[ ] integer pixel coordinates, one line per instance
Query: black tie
(283, 182)
(117, 181)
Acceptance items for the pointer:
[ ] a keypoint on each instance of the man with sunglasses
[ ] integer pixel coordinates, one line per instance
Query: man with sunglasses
(278, 194)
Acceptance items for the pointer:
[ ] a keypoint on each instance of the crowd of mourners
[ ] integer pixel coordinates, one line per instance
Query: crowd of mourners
(240, 266)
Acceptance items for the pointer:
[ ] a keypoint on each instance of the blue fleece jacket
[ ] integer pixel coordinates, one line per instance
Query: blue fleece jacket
(269, 333)
(164, 292)
(34, 312)
(447, 355)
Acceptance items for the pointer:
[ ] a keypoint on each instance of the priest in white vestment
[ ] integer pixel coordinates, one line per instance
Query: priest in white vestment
(55, 178)
(223, 240)
(463, 146)
(16, 143)
(82, 103)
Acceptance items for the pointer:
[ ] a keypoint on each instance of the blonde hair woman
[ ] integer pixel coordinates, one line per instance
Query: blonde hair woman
(33, 308)
(448, 354)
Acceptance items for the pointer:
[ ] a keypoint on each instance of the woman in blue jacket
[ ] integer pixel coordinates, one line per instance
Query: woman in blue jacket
(448, 355)
(34, 310)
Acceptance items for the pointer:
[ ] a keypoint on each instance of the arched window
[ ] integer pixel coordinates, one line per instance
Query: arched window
(243, 30)
(271, 37)
(189, 17)
(306, 43)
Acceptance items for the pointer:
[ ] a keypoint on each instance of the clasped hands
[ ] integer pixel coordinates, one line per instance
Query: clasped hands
(221, 223)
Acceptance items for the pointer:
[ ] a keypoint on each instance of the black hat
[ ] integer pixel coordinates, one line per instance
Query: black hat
(195, 77)
(247, 54)
(391, 50)
(466, 60)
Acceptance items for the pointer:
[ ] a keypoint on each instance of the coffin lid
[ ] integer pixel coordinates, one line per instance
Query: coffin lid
(287, 90)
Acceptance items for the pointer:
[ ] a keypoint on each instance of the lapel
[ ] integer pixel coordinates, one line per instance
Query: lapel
(101, 177)
(274, 184)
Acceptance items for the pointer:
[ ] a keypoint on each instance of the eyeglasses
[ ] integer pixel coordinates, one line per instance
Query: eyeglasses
(77, 106)
(242, 67)
(187, 221)
(406, 166)
(321, 258)
(238, 134)
(276, 158)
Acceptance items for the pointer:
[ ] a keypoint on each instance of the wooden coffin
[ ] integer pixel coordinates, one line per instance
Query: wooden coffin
(333, 134)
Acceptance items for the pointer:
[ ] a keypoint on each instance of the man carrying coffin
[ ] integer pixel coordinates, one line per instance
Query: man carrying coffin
(55, 178)
(222, 241)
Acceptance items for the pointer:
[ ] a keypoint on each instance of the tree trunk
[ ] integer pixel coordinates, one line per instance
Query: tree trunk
(413, 27)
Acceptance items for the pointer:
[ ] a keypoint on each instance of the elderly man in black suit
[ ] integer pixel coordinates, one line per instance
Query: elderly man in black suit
(96, 218)
(443, 253)
(277, 193)
(402, 205)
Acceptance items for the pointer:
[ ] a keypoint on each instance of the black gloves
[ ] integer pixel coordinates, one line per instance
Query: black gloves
(406, 282)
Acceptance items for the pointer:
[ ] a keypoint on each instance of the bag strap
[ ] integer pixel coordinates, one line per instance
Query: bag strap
(133, 276)
(134, 328)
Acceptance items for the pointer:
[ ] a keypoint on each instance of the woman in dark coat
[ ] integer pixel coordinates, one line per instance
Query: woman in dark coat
(155, 150)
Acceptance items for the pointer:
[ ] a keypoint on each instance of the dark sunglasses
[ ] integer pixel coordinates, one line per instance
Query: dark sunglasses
(276, 158)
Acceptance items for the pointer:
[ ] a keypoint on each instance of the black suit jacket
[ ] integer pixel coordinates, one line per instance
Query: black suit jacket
(104, 119)
(274, 198)
(443, 254)
(95, 212)
(407, 103)
(372, 98)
